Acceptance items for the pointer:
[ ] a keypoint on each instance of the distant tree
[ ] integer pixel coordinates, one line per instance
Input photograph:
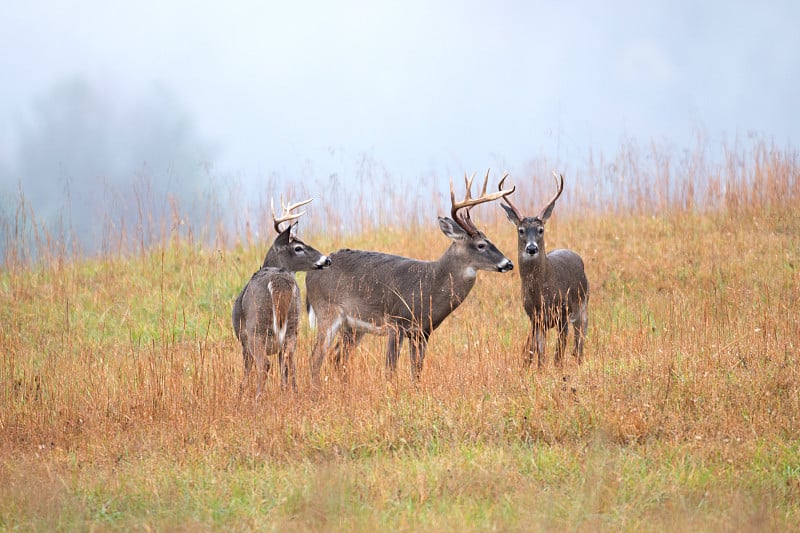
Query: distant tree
(90, 164)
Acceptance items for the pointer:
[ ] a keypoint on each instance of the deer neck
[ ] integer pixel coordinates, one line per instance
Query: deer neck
(451, 273)
(273, 259)
(535, 271)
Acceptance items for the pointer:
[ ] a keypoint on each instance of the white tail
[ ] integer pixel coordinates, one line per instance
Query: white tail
(372, 292)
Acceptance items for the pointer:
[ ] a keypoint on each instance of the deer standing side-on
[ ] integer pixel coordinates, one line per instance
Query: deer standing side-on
(372, 292)
(555, 290)
(267, 312)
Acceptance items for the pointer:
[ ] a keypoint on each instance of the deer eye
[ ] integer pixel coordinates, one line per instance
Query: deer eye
(521, 231)
(540, 231)
(298, 249)
(481, 246)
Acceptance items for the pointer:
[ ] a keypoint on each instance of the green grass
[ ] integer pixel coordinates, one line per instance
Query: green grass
(513, 486)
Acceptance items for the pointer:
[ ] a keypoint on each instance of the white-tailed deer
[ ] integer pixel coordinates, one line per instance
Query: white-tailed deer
(372, 292)
(266, 313)
(555, 290)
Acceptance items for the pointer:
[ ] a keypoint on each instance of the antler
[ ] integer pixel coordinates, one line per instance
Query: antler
(560, 184)
(507, 200)
(287, 212)
(469, 202)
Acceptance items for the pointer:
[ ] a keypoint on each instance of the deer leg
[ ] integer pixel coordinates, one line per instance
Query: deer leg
(286, 360)
(417, 350)
(347, 343)
(562, 317)
(282, 368)
(563, 331)
(538, 339)
(247, 358)
(336, 350)
(326, 332)
(580, 327)
(262, 363)
(393, 345)
(341, 349)
(527, 350)
(291, 369)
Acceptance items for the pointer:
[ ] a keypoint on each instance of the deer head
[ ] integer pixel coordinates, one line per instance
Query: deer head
(288, 251)
(530, 230)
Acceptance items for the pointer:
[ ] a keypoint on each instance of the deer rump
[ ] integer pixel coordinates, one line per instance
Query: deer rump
(373, 292)
(266, 311)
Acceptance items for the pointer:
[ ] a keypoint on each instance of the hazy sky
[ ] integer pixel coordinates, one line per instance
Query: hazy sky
(420, 85)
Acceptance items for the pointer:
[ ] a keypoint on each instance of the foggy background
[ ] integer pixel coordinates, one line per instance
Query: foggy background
(114, 115)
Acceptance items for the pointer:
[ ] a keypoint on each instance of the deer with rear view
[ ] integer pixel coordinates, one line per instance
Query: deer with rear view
(402, 298)
(555, 290)
(266, 313)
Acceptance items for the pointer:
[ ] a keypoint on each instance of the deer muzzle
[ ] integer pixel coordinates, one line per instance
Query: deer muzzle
(505, 265)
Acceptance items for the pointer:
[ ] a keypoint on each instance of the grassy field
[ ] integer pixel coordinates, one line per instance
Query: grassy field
(119, 379)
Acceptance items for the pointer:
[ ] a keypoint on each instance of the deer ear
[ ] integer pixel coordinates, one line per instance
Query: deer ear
(512, 216)
(547, 211)
(451, 229)
(285, 235)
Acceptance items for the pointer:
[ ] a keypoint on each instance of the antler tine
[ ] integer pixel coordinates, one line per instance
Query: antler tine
(468, 183)
(287, 212)
(469, 201)
(296, 205)
(464, 220)
(506, 198)
(545, 213)
(560, 184)
(274, 218)
(453, 203)
(485, 182)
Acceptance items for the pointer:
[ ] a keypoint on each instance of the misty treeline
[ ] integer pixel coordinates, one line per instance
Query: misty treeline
(89, 167)
(91, 172)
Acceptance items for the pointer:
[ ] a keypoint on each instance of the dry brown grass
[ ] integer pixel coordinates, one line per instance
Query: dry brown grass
(119, 378)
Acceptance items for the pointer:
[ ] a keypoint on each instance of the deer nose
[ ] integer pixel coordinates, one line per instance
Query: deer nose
(531, 248)
(323, 262)
(505, 266)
